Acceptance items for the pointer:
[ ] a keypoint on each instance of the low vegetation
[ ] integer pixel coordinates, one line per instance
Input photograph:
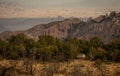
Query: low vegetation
(54, 57)
(48, 48)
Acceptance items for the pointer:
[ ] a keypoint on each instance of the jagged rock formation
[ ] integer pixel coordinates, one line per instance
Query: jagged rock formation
(107, 27)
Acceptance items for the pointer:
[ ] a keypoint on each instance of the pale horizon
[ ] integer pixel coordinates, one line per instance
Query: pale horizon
(49, 11)
(55, 8)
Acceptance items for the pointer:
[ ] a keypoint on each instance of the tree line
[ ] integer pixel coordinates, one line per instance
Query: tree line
(48, 48)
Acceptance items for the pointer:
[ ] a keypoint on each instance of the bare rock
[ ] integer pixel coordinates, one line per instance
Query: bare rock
(100, 18)
(112, 14)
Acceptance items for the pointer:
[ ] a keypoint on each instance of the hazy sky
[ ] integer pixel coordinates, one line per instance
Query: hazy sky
(54, 8)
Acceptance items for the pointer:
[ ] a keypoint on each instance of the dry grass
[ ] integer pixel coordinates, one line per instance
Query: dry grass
(72, 68)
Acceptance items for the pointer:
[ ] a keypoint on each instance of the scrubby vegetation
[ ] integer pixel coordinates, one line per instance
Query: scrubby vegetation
(50, 56)
(73, 68)
(48, 48)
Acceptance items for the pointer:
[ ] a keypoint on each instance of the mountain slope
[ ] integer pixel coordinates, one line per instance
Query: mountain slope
(107, 27)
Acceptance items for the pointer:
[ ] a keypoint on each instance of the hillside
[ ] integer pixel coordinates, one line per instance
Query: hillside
(107, 27)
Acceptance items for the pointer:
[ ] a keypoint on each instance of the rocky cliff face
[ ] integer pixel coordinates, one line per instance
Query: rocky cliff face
(59, 29)
(107, 27)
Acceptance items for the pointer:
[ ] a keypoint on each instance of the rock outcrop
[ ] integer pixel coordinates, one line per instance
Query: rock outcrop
(100, 18)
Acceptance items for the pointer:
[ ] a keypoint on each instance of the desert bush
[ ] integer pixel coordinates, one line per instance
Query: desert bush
(77, 71)
(8, 71)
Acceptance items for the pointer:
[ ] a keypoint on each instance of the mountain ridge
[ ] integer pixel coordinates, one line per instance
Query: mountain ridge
(107, 27)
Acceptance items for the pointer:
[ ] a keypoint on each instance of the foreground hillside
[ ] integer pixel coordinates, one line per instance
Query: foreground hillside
(107, 27)
(71, 68)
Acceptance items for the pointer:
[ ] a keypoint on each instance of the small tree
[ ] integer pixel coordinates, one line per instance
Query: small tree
(96, 42)
(2, 47)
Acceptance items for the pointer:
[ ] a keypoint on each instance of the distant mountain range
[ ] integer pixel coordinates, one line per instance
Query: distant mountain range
(15, 24)
(107, 27)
